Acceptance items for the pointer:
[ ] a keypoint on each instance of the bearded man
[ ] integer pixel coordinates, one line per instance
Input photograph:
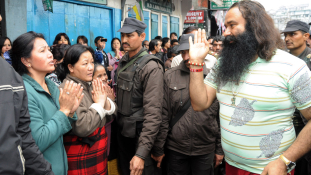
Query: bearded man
(258, 87)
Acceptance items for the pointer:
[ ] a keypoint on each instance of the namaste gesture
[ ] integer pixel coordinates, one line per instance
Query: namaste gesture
(199, 48)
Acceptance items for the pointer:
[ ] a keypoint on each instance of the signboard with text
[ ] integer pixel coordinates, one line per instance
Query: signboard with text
(226, 4)
(165, 6)
(193, 15)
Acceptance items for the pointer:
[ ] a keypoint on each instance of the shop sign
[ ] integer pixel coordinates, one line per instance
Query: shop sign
(192, 15)
(225, 5)
(104, 2)
(165, 6)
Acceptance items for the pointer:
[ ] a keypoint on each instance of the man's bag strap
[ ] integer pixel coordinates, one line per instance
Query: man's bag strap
(132, 61)
(180, 113)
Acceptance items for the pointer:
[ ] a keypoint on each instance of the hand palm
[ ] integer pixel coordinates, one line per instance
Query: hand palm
(198, 52)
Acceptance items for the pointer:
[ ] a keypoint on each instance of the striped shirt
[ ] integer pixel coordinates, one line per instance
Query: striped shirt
(259, 128)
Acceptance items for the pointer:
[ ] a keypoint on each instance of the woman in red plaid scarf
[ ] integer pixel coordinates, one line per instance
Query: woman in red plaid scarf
(86, 144)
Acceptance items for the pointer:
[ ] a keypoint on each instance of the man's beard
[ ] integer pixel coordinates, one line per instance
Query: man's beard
(236, 55)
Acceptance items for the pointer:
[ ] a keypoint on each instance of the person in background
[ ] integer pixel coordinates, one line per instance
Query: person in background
(160, 39)
(18, 150)
(296, 34)
(86, 143)
(100, 72)
(52, 111)
(61, 38)
(210, 59)
(210, 41)
(166, 44)
(155, 49)
(114, 56)
(217, 43)
(100, 55)
(58, 52)
(174, 42)
(82, 40)
(5, 45)
(173, 36)
(172, 52)
(146, 44)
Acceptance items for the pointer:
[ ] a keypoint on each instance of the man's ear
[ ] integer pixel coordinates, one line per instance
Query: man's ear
(143, 36)
(70, 67)
(306, 36)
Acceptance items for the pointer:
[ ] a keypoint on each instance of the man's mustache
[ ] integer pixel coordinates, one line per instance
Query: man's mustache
(125, 44)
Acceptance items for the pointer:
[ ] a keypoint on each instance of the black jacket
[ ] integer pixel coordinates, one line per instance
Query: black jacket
(18, 151)
(195, 133)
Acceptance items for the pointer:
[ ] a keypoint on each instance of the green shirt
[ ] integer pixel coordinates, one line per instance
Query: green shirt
(259, 128)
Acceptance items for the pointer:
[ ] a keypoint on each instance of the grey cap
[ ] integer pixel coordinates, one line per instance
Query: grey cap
(295, 25)
(184, 42)
(130, 25)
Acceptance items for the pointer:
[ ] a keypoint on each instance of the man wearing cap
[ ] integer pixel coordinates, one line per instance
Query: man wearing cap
(296, 35)
(139, 99)
(210, 59)
(192, 138)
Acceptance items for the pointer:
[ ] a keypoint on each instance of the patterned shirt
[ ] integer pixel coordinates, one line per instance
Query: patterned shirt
(259, 128)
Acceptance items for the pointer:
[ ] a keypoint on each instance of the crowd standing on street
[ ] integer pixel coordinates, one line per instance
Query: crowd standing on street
(231, 104)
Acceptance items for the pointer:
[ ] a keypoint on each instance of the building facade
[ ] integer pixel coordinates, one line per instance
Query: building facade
(90, 18)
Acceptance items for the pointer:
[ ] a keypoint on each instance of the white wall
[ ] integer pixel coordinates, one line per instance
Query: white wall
(114, 4)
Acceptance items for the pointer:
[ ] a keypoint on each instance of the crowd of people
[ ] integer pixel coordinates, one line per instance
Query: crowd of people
(233, 104)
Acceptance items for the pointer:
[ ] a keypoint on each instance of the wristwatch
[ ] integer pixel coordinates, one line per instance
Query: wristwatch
(289, 164)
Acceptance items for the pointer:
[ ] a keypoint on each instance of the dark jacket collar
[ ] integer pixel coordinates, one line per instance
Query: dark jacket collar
(182, 66)
(126, 58)
(306, 52)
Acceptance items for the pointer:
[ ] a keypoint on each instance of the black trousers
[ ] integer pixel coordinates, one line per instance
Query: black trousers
(180, 164)
(127, 150)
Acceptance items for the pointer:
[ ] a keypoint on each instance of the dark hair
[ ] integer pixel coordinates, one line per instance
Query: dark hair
(59, 51)
(173, 33)
(218, 38)
(96, 66)
(97, 38)
(139, 32)
(84, 39)
(58, 37)
(164, 41)
(113, 41)
(152, 44)
(158, 37)
(262, 25)
(171, 51)
(173, 41)
(72, 56)
(190, 29)
(210, 37)
(2, 40)
(22, 47)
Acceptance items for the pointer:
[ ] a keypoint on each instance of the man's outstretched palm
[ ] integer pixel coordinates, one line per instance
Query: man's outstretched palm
(199, 48)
